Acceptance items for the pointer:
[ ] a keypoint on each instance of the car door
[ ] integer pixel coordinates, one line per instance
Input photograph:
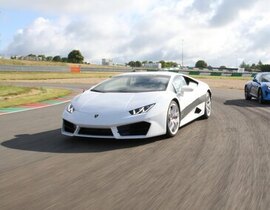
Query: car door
(255, 85)
(185, 97)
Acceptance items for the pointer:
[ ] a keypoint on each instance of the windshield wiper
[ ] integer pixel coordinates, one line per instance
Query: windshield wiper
(99, 91)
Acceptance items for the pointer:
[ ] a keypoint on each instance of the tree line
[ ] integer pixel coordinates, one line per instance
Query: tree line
(253, 67)
(75, 56)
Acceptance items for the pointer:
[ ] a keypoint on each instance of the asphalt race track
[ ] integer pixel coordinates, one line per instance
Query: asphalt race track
(219, 163)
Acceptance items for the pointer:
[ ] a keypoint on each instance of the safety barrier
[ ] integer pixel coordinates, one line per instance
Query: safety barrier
(78, 69)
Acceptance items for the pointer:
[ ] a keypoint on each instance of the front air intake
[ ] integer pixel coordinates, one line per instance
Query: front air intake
(69, 127)
(96, 131)
(135, 129)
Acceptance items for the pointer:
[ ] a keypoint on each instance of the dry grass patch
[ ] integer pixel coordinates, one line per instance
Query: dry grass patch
(13, 96)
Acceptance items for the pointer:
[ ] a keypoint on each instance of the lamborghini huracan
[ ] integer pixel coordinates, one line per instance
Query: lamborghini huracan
(137, 105)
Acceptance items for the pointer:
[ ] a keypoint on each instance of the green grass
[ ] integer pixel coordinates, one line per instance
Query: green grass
(30, 63)
(52, 75)
(13, 96)
(12, 90)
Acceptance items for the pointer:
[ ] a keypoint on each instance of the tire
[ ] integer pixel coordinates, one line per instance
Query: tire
(173, 119)
(208, 106)
(247, 96)
(260, 96)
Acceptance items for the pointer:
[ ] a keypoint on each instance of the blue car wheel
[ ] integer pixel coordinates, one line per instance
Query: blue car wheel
(247, 95)
(260, 96)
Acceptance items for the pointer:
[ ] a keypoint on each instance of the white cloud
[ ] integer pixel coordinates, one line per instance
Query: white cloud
(220, 32)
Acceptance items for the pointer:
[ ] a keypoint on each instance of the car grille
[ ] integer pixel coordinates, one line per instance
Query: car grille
(96, 131)
(69, 127)
(135, 129)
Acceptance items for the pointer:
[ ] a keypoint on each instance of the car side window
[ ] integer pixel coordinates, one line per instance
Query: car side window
(264, 79)
(258, 77)
(178, 83)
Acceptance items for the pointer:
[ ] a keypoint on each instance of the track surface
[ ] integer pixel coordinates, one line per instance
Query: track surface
(219, 163)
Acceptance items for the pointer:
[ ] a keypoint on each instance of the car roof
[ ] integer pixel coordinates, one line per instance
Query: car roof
(262, 73)
(163, 73)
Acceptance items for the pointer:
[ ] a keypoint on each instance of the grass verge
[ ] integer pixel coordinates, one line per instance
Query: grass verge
(13, 96)
(52, 75)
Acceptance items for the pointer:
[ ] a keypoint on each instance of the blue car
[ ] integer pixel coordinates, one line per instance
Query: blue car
(259, 87)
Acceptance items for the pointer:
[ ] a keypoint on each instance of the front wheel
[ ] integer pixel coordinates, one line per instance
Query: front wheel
(208, 106)
(247, 96)
(173, 119)
(260, 96)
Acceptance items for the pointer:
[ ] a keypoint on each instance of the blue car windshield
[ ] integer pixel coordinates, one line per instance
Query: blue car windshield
(266, 78)
(134, 83)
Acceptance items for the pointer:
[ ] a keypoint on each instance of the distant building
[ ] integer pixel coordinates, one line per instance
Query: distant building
(241, 70)
(106, 62)
(152, 65)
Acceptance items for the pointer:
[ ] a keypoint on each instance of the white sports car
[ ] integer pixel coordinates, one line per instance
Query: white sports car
(137, 105)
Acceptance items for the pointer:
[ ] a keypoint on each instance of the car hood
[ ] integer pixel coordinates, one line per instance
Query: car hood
(91, 101)
(266, 83)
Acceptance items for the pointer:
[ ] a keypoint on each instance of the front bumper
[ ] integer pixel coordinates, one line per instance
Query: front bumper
(266, 93)
(131, 127)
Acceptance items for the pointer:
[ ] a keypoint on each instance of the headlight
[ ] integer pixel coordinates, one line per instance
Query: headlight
(141, 110)
(70, 108)
(268, 87)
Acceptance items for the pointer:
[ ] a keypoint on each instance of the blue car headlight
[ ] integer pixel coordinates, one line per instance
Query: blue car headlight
(141, 110)
(70, 108)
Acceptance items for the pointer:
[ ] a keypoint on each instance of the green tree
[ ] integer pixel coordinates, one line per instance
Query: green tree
(43, 57)
(222, 67)
(75, 56)
(56, 58)
(49, 58)
(138, 64)
(131, 63)
(64, 60)
(201, 64)
(162, 63)
(265, 67)
(259, 65)
(243, 65)
(144, 62)
(210, 67)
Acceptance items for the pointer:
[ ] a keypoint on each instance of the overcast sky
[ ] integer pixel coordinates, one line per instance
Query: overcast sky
(221, 32)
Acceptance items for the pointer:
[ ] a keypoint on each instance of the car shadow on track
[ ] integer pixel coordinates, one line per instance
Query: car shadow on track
(53, 142)
(246, 103)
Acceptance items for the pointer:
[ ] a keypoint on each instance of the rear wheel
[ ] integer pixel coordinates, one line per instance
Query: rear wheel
(208, 106)
(260, 96)
(173, 119)
(247, 96)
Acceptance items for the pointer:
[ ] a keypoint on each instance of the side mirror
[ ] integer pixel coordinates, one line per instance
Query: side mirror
(254, 80)
(187, 89)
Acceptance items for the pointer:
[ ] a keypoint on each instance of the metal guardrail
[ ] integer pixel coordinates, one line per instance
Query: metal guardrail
(219, 73)
(100, 69)
(22, 68)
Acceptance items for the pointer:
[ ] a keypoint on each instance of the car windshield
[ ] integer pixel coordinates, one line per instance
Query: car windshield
(266, 78)
(134, 83)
